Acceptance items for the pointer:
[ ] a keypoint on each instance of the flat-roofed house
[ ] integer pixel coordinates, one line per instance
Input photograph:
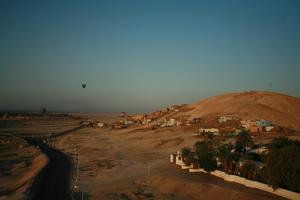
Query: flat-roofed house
(263, 123)
(224, 119)
(256, 129)
(214, 131)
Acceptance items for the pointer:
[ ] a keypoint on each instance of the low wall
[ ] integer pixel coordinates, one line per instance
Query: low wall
(253, 184)
(237, 179)
(197, 170)
(186, 167)
(178, 161)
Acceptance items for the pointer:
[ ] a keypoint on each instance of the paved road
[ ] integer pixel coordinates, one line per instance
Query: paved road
(54, 180)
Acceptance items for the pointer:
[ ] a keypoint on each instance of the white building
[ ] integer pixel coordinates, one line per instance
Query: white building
(224, 119)
(101, 124)
(163, 124)
(269, 128)
(247, 124)
(171, 122)
(179, 160)
(260, 150)
(214, 131)
(173, 158)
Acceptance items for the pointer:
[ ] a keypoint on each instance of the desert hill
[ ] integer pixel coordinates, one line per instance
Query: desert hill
(279, 108)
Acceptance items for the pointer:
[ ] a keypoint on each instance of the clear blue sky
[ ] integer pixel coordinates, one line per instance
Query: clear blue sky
(138, 56)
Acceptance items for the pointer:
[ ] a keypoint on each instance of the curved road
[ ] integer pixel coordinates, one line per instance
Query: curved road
(53, 182)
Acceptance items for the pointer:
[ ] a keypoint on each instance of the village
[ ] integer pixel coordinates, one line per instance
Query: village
(223, 128)
(222, 125)
(216, 135)
(232, 160)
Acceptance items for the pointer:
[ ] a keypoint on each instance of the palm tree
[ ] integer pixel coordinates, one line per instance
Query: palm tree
(223, 153)
(204, 155)
(228, 157)
(243, 140)
(248, 170)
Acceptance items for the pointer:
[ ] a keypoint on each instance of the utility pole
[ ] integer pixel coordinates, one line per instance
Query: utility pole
(77, 168)
(77, 164)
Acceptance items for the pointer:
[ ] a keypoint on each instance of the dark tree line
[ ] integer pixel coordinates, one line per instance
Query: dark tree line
(281, 165)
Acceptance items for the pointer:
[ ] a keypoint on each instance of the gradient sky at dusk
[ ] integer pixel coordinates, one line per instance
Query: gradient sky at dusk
(138, 56)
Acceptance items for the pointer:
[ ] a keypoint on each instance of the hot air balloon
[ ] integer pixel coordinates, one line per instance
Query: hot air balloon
(83, 85)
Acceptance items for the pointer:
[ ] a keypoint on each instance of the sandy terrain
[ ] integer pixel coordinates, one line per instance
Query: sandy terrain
(19, 163)
(134, 164)
(281, 109)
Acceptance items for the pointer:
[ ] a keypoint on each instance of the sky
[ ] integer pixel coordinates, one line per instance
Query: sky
(139, 56)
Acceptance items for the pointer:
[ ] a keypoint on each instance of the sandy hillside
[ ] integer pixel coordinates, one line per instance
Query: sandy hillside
(281, 109)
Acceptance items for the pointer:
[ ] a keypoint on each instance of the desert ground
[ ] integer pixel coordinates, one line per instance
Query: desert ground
(134, 163)
(21, 162)
(130, 163)
(19, 165)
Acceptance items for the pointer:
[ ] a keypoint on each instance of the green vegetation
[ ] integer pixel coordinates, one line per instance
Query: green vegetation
(205, 156)
(280, 167)
(249, 170)
(243, 141)
(202, 154)
(228, 158)
(283, 164)
(188, 155)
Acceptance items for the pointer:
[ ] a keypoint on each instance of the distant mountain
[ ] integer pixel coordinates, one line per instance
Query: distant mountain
(279, 108)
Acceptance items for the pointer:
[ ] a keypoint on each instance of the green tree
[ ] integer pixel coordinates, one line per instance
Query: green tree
(210, 136)
(188, 155)
(205, 156)
(280, 142)
(228, 158)
(282, 167)
(248, 170)
(243, 140)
